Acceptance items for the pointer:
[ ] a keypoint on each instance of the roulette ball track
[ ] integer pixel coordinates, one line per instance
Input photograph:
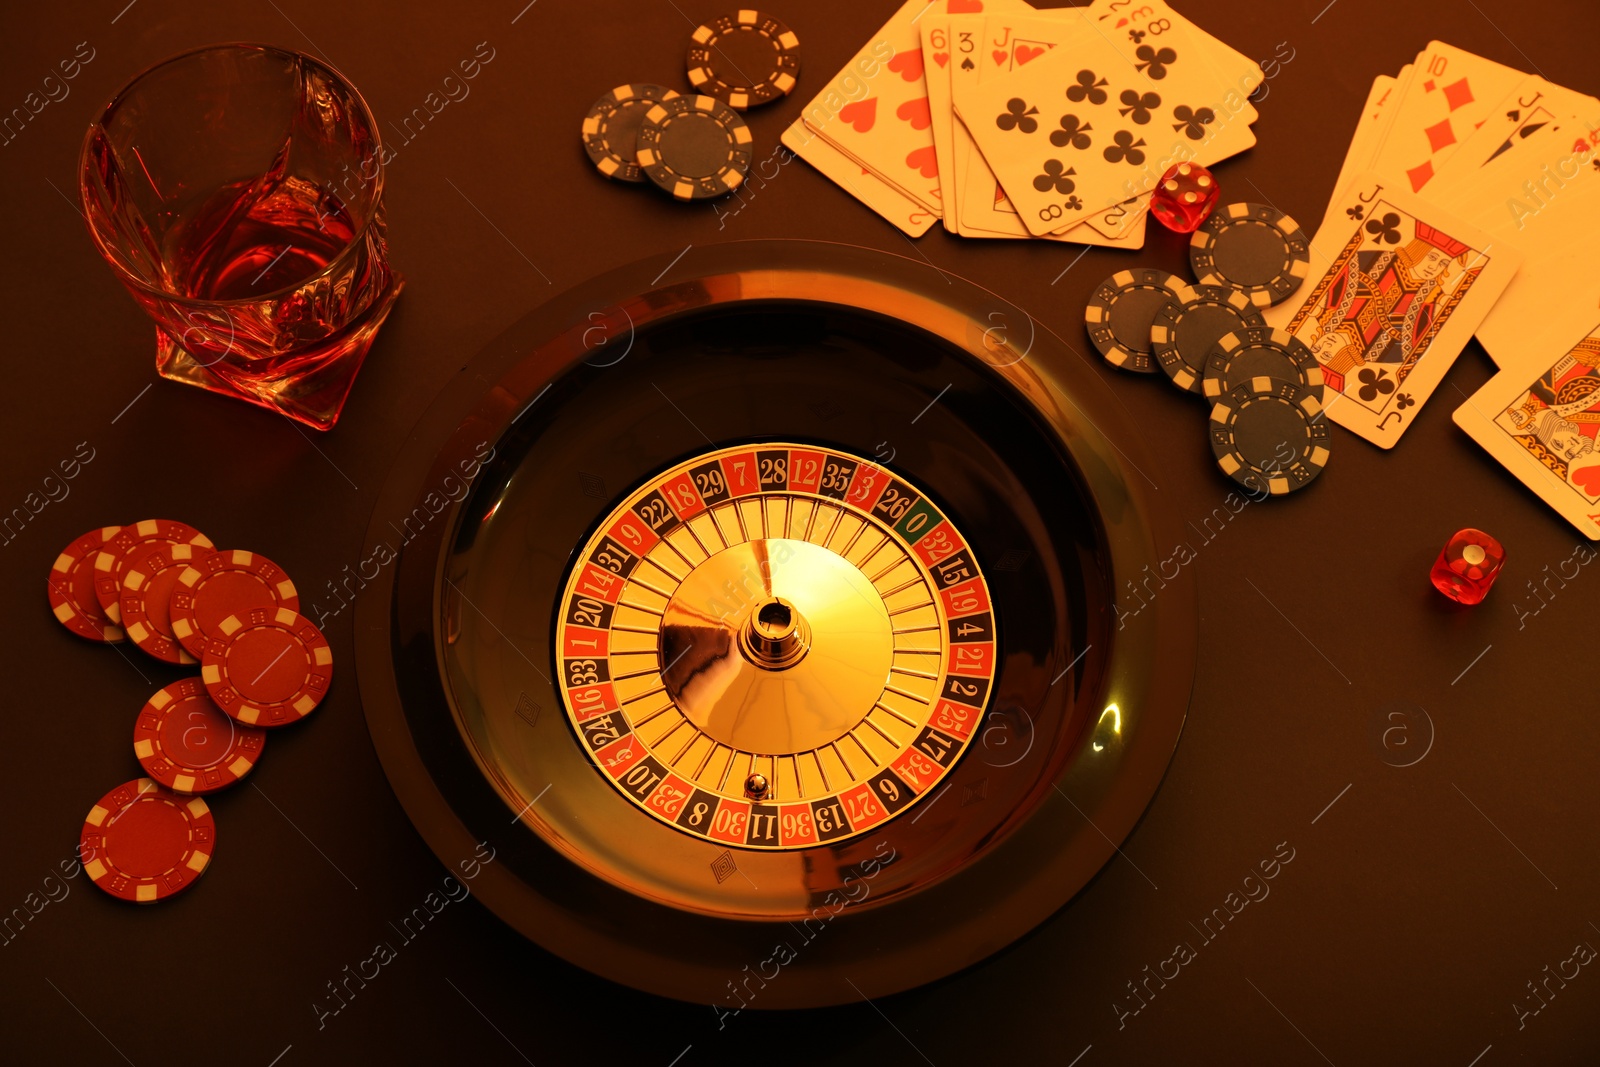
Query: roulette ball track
(760, 610)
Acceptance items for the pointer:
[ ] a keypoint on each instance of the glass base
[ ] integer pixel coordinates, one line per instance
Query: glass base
(314, 397)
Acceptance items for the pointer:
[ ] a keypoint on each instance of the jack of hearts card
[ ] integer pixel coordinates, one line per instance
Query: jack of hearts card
(1402, 286)
(1541, 420)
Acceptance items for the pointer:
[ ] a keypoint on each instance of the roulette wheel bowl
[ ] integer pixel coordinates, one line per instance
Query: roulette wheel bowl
(1043, 708)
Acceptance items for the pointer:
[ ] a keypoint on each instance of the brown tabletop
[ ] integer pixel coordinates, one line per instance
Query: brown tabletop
(1420, 901)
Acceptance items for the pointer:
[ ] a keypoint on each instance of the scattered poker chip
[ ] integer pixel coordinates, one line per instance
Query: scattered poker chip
(268, 667)
(147, 582)
(745, 59)
(611, 129)
(71, 588)
(1121, 311)
(223, 584)
(1270, 434)
(1260, 352)
(143, 842)
(112, 560)
(185, 742)
(694, 147)
(1251, 247)
(1185, 329)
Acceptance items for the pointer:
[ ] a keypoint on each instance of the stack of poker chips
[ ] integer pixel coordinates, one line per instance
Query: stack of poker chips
(161, 586)
(1265, 386)
(696, 147)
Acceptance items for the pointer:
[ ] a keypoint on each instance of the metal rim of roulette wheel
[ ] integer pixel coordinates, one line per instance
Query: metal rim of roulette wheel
(759, 610)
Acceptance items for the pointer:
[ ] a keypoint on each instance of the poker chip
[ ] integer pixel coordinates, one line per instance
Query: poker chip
(223, 584)
(111, 562)
(1269, 433)
(745, 59)
(185, 742)
(611, 129)
(71, 588)
(1251, 247)
(143, 842)
(694, 147)
(1183, 331)
(268, 667)
(1260, 352)
(152, 571)
(1121, 312)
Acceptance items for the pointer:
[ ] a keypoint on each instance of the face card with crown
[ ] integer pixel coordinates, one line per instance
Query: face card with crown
(1403, 286)
(1448, 94)
(1540, 418)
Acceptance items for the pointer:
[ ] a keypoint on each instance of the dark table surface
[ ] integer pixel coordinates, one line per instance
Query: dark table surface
(1419, 902)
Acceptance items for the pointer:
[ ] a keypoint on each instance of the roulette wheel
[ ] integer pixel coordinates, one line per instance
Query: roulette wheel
(758, 613)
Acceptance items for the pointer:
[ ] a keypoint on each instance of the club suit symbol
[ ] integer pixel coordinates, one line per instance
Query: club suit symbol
(1087, 88)
(1154, 61)
(1018, 116)
(1055, 177)
(1125, 148)
(1138, 106)
(1071, 133)
(1385, 230)
(1193, 122)
(1374, 383)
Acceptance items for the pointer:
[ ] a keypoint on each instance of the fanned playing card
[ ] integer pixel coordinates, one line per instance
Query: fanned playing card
(1540, 418)
(1369, 129)
(1541, 196)
(937, 52)
(1144, 20)
(1526, 115)
(1082, 129)
(1403, 284)
(911, 217)
(1448, 93)
(876, 110)
(1009, 43)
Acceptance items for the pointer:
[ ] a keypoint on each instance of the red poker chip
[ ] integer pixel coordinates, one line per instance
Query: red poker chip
(223, 584)
(151, 572)
(72, 596)
(143, 842)
(270, 667)
(110, 564)
(185, 742)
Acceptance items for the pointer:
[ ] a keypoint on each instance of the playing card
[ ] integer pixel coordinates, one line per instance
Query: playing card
(1403, 284)
(1005, 45)
(1542, 197)
(937, 52)
(982, 206)
(1369, 128)
(876, 110)
(1541, 419)
(1527, 113)
(1081, 129)
(1448, 92)
(910, 216)
(1014, 40)
(1139, 20)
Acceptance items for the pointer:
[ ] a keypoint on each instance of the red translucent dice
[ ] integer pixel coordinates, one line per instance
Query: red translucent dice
(1468, 565)
(1185, 196)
